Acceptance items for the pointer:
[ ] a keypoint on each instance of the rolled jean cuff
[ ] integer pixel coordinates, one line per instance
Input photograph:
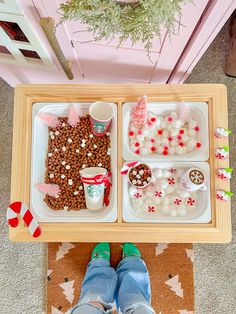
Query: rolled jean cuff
(139, 308)
(88, 308)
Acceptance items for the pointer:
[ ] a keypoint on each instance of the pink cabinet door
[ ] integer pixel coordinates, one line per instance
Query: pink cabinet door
(103, 62)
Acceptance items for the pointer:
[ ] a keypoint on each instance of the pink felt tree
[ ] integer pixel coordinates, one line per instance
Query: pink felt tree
(50, 189)
(73, 118)
(139, 113)
(49, 119)
(185, 113)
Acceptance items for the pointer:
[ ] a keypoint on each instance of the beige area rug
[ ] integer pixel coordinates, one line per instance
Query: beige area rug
(170, 267)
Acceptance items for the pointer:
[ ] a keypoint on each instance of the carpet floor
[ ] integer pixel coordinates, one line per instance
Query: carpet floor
(23, 266)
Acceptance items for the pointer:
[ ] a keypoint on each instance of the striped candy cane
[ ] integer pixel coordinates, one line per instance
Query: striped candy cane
(129, 165)
(19, 208)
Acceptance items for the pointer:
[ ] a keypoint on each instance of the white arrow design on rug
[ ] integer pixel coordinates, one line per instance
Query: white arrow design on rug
(49, 271)
(68, 290)
(185, 312)
(64, 248)
(190, 254)
(55, 311)
(160, 248)
(175, 285)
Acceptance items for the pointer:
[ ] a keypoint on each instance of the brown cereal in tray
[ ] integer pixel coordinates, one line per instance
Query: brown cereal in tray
(71, 149)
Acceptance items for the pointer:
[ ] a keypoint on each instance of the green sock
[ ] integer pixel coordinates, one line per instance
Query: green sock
(101, 250)
(130, 249)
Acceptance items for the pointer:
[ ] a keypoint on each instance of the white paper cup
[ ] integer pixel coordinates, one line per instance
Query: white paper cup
(193, 180)
(101, 114)
(94, 193)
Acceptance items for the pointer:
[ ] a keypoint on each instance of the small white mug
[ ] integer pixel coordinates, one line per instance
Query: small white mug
(193, 180)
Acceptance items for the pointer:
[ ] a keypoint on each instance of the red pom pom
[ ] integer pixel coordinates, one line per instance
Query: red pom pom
(181, 132)
(179, 137)
(136, 144)
(198, 145)
(131, 133)
(165, 153)
(160, 132)
(166, 147)
(137, 151)
(153, 140)
(170, 139)
(196, 128)
(153, 148)
(169, 119)
(153, 119)
(181, 144)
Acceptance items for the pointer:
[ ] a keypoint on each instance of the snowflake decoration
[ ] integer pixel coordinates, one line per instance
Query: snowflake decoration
(219, 197)
(221, 176)
(220, 156)
(158, 193)
(151, 209)
(177, 201)
(171, 181)
(137, 195)
(172, 170)
(191, 201)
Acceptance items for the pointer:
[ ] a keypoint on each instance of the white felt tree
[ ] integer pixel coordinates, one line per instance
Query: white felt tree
(190, 254)
(64, 248)
(68, 290)
(73, 118)
(175, 285)
(160, 248)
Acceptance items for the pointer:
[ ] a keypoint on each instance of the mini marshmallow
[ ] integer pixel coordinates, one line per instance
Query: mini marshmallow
(52, 137)
(76, 192)
(173, 212)
(139, 181)
(50, 133)
(99, 164)
(141, 172)
(56, 150)
(69, 140)
(83, 140)
(192, 132)
(70, 181)
(67, 167)
(192, 124)
(91, 135)
(89, 154)
(49, 154)
(57, 133)
(63, 148)
(134, 182)
(51, 175)
(134, 172)
(63, 124)
(77, 151)
(95, 146)
(80, 187)
(63, 176)
(148, 179)
(65, 207)
(145, 183)
(138, 176)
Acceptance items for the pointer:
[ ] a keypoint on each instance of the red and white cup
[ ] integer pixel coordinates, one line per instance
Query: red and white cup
(101, 114)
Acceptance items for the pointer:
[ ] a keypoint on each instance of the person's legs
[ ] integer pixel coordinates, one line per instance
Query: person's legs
(133, 288)
(99, 285)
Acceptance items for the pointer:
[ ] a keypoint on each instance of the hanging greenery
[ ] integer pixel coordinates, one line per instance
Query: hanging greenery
(141, 20)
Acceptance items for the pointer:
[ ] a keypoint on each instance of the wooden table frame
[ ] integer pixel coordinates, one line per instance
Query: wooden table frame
(218, 230)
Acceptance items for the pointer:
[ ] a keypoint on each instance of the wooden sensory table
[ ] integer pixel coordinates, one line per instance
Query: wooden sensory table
(218, 230)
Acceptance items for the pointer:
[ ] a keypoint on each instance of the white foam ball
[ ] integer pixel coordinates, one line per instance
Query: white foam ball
(158, 173)
(192, 124)
(177, 123)
(173, 212)
(174, 132)
(174, 143)
(192, 132)
(181, 212)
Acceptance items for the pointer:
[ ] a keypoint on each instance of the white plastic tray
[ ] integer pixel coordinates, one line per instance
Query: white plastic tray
(39, 149)
(199, 111)
(202, 214)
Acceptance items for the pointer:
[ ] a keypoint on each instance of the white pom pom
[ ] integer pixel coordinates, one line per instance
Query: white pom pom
(177, 124)
(192, 132)
(192, 124)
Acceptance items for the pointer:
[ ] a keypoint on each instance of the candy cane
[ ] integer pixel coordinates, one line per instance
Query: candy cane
(126, 167)
(19, 208)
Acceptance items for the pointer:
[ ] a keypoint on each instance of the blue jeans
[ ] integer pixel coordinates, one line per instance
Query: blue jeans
(129, 286)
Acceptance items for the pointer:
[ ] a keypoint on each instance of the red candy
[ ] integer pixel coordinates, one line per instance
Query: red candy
(137, 151)
(153, 140)
(196, 128)
(198, 145)
(136, 144)
(169, 119)
(179, 137)
(181, 132)
(153, 119)
(181, 144)
(165, 153)
(153, 148)
(160, 132)
(165, 147)
(170, 139)
(131, 133)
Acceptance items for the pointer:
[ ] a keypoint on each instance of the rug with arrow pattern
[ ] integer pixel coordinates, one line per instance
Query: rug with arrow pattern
(170, 267)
